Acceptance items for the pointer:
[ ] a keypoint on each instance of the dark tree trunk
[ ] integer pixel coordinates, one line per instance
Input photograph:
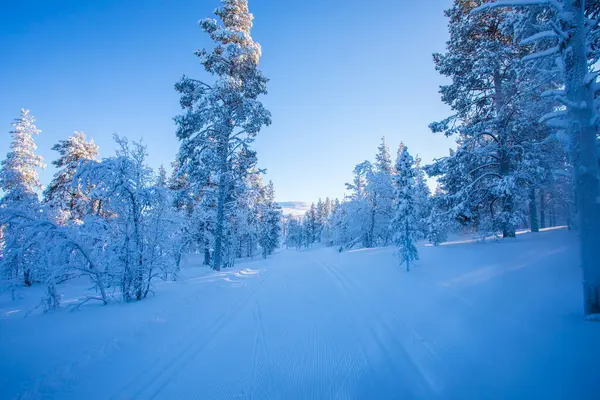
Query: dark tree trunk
(533, 218)
(542, 209)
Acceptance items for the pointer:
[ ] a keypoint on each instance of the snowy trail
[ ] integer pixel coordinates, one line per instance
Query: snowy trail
(318, 324)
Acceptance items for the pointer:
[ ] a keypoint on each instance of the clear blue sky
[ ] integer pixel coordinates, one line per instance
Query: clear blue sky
(343, 74)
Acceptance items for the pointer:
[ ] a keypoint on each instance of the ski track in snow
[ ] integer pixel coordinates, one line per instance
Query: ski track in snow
(323, 325)
(151, 382)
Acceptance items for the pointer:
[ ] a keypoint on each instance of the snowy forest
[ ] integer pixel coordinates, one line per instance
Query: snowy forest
(389, 291)
(524, 95)
(122, 224)
(523, 88)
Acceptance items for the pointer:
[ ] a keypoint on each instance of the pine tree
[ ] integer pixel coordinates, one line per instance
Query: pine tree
(222, 119)
(66, 201)
(293, 233)
(381, 192)
(270, 222)
(405, 222)
(18, 173)
(326, 233)
(571, 35)
(360, 204)
(161, 177)
(19, 182)
(437, 221)
(312, 224)
(383, 160)
(422, 200)
(482, 61)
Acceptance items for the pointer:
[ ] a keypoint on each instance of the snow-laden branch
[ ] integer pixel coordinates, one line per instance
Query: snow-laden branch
(519, 3)
(552, 115)
(571, 104)
(552, 93)
(539, 36)
(541, 54)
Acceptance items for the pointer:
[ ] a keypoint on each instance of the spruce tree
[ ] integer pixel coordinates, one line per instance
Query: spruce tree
(405, 222)
(19, 182)
(161, 177)
(18, 172)
(270, 222)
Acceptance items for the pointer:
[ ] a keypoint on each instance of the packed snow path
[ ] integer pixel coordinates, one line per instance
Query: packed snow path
(500, 320)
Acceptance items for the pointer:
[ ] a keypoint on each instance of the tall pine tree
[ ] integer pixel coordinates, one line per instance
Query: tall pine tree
(66, 201)
(19, 182)
(405, 222)
(222, 119)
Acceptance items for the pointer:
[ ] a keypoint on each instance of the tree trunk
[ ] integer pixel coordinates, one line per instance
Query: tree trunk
(206, 251)
(27, 277)
(542, 209)
(508, 228)
(533, 219)
(371, 229)
(584, 142)
(222, 197)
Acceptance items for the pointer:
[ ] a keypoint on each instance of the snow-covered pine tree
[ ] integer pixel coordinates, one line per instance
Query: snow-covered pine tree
(339, 224)
(222, 118)
(293, 236)
(161, 177)
(574, 32)
(18, 172)
(66, 201)
(437, 221)
(359, 208)
(326, 233)
(321, 218)
(422, 198)
(382, 192)
(249, 200)
(404, 225)
(482, 61)
(19, 182)
(178, 183)
(270, 222)
(311, 223)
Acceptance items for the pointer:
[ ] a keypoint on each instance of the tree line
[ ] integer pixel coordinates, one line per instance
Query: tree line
(123, 225)
(523, 89)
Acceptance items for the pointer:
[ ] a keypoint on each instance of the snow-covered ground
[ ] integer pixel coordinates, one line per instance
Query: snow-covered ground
(495, 320)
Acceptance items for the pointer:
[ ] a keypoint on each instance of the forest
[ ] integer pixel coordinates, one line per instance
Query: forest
(523, 93)
(474, 274)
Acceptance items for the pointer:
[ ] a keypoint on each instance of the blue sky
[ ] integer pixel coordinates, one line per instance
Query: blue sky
(343, 73)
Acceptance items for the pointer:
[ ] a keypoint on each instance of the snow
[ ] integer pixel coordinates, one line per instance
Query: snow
(495, 320)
